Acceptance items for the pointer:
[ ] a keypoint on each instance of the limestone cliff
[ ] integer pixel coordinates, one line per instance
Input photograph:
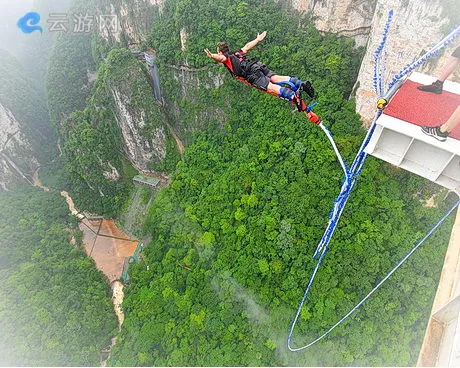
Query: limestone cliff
(143, 126)
(134, 18)
(17, 161)
(350, 18)
(416, 26)
(121, 127)
(144, 140)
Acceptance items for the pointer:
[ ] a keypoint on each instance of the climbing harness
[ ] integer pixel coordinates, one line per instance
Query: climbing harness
(352, 174)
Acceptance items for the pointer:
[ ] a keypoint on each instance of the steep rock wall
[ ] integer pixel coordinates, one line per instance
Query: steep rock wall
(350, 18)
(17, 162)
(134, 17)
(416, 26)
(139, 117)
(141, 148)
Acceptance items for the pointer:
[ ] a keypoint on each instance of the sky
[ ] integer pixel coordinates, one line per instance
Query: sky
(12, 10)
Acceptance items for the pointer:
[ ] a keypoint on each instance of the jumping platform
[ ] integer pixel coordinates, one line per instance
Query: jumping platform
(399, 140)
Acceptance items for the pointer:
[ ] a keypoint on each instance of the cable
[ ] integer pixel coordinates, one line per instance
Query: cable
(336, 150)
(357, 306)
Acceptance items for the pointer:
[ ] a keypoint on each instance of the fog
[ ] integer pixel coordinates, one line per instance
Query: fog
(11, 11)
(12, 38)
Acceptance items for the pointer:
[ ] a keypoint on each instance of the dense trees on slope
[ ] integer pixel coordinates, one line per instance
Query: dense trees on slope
(93, 142)
(248, 205)
(68, 82)
(245, 213)
(55, 307)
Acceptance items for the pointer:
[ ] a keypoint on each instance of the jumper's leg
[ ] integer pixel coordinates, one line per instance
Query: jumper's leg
(293, 83)
(286, 94)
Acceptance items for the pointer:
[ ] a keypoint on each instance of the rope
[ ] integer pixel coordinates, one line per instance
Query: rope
(357, 306)
(377, 80)
(339, 156)
(347, 187)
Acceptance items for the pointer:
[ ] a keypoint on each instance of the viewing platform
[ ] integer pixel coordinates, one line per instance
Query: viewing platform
(147, 180)
(399, 140)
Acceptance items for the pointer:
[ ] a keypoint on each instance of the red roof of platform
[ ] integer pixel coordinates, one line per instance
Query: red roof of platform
(423, 108)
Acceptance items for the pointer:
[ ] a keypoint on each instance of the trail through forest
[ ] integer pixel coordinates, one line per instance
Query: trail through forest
(38, 183)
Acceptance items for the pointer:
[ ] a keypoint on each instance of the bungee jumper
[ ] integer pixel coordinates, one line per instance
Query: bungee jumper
(258, 75)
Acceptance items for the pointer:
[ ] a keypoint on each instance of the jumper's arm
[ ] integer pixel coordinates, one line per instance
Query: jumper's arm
(216, 57)
(253, 43)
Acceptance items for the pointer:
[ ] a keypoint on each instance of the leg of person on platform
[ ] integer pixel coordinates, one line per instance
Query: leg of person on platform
(441, 132)
(436, 87)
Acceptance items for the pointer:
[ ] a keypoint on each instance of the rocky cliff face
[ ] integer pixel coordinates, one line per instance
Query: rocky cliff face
(123, 91)
(17, 161)
(144, 133)
(134, 17)
(350, 18)
(142, 145)
(416, 26)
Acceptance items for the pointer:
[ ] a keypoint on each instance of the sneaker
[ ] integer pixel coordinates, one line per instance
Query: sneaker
(435, 132)
(435, 87)
(308, 89)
